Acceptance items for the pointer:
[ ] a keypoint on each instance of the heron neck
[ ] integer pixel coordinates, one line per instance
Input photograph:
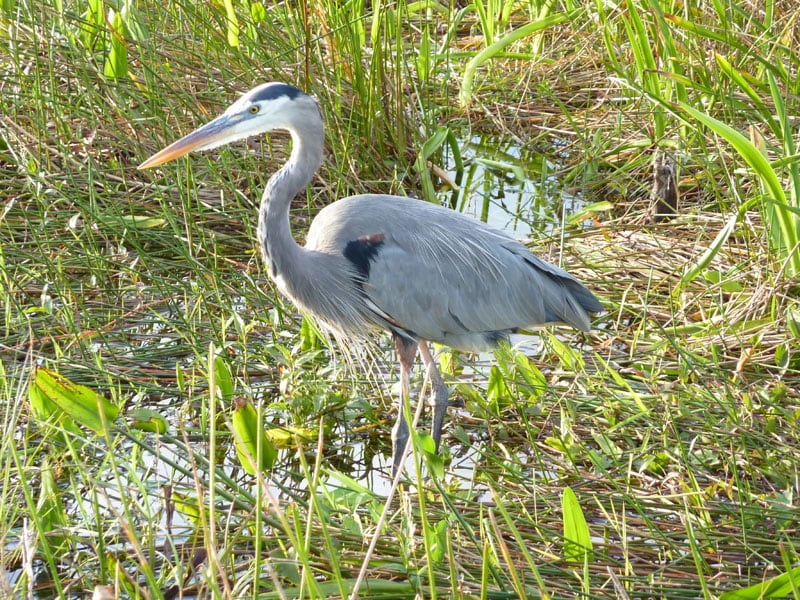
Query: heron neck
(274, 233)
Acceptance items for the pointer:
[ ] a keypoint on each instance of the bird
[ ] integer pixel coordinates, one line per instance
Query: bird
(421, 271)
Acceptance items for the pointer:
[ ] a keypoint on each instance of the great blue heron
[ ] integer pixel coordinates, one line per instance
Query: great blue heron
(421, 271)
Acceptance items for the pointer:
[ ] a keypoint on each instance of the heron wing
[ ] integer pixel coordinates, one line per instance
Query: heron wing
(444, 276)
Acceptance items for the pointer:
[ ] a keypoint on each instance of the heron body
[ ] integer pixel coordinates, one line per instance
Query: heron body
(373, 261)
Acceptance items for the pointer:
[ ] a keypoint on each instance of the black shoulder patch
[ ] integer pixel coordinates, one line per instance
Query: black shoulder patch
(362, 251)
(270, 91)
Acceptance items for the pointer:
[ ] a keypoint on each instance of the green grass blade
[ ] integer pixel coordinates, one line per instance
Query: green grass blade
(722, 37)
(783, 232)
(786, 132)
(713, 249)
(741, 81)
(497, 47)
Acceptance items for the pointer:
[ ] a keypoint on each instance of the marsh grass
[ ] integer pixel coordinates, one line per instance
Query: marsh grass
(675, 423)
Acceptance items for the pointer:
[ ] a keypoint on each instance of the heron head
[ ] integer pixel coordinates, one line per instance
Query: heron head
(266, 107)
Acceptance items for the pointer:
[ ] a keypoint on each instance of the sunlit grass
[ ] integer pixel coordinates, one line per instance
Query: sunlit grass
(675, 423)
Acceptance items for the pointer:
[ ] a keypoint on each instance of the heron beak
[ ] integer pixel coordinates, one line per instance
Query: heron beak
(210, 135)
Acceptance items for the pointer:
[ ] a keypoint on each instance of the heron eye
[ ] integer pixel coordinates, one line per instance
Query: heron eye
(253, 109)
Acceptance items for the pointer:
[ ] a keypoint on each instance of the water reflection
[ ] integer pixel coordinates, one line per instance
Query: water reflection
(512, 188)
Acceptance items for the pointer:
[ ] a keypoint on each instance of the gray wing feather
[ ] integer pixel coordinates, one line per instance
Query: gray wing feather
(447, 277)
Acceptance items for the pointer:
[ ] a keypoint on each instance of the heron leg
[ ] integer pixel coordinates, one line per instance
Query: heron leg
(440, 393)
(406, 352)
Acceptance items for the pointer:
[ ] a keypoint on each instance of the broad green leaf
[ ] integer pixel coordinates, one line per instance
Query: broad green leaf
(424, 58)
(257, 12)
(232, 24)
(569, 358)
(248, 435)
(46, 410)
(311, 337)
(777, 587)
(116, 65)
(530, 373)
(433, 143)
(428, 447)
(577, 538)
(793, 322)
(783, 356)
(437, 541)
(188, 506)
(442, 135)
(145, 419)
(723, 281)
(223, 378)
(135, 27)
(143, 221)
(559, 445)
(84, 405)
(285, 436)
(51, 513)
(496, 389)
(586, 211)
(93, 23)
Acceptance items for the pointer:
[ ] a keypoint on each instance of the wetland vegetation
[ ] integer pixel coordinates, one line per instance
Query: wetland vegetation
(657, 456)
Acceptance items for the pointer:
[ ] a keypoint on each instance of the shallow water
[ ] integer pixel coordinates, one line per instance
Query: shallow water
(509, 187)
